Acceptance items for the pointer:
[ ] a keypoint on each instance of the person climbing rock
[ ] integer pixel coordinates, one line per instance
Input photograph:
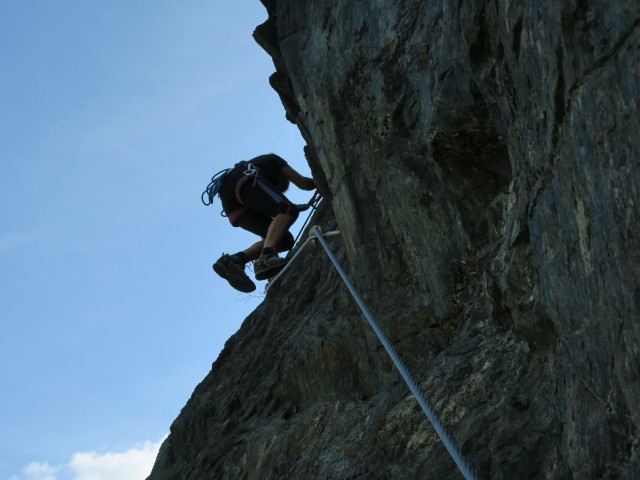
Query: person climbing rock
(253, 199)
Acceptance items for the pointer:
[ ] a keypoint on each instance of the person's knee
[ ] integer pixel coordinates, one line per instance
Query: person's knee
(293, 213)
(288, 209)
(286, 242)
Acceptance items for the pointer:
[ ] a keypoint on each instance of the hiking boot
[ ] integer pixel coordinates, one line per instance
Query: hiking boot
(268, 266)
(232, 270)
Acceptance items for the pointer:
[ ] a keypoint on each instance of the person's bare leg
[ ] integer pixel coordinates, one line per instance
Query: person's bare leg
(277, 229)
(254, 251)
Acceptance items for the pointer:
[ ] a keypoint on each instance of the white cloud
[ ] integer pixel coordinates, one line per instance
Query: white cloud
(39, 471)
(133, 464)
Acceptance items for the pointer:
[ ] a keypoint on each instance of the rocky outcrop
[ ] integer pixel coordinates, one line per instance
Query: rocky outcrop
(480, 159)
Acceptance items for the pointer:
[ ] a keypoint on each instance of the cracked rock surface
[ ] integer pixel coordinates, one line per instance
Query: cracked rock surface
(481, 160)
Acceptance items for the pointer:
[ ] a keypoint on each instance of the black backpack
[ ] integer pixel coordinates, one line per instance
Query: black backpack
(214, 186)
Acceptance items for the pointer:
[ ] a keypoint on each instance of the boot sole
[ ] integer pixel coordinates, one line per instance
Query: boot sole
(269, 272)
(244, 285)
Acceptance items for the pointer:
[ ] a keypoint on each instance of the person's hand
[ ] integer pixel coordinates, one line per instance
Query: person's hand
(303, 206)
(317, 196)
(310, 184)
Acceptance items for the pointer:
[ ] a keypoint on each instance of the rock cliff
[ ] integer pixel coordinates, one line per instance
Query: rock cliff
(481, 160)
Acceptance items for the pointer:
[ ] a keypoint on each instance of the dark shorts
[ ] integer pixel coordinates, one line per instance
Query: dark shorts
(258, 223)
(261, 202)
(261, 196)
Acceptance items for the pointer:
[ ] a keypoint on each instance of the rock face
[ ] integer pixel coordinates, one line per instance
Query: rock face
(481, 160)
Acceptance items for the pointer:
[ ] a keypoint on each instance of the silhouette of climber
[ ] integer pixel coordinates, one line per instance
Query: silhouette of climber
(253, 199)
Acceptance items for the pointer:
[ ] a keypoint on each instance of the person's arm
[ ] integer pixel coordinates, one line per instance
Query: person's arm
(303, 183)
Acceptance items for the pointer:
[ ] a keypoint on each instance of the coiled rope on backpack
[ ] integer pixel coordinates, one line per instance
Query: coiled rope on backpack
(214, 187)
(216, 181)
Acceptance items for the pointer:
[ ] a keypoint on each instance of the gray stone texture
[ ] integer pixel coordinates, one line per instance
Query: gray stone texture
(481, 159)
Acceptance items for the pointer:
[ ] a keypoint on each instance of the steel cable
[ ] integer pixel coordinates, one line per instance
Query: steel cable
(447, 440)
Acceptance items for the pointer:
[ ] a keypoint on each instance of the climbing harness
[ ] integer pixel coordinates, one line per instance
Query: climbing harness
(215, 185)
(249, 172)
(447, 440)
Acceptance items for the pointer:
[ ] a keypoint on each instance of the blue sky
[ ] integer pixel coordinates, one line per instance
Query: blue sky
(113, 117)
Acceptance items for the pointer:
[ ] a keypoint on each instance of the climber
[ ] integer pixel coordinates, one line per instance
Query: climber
(252, 198)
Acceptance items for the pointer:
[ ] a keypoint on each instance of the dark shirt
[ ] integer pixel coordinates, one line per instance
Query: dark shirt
(270, 166)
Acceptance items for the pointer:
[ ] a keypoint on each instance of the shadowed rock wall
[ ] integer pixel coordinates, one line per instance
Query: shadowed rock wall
(481, 161)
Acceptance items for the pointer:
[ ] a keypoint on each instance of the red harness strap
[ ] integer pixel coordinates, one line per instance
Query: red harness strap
(239, 185)
(233, 216)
